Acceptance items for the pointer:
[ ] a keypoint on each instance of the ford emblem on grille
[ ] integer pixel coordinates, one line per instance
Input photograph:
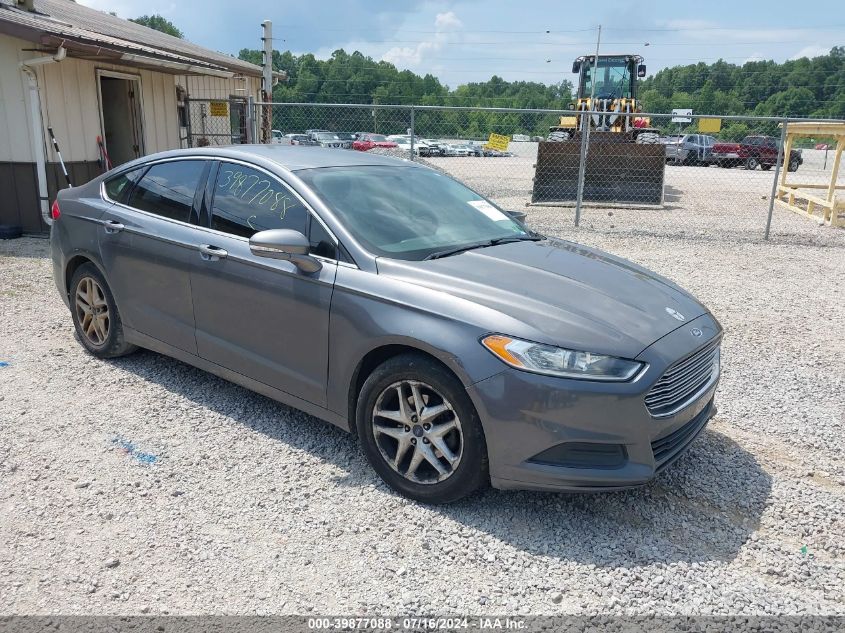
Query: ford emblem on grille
(676, 314)
(695, 332)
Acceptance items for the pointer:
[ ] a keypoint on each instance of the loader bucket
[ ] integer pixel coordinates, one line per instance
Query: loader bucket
(618, 171)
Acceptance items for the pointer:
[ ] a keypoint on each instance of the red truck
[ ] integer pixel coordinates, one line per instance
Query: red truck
(753, 151)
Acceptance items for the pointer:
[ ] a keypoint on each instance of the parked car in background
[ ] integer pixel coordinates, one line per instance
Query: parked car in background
(313, 133)
(463, 150)
(382, 296)
(368, 141)
(328, 139)
(754, 151)
(276, 136)
(691, 149)
(476, 148)
(404, 142)
(438, 148)
(347, 137)
(300, 139)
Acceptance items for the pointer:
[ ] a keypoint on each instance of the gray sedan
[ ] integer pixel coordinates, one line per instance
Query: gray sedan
(386, 298)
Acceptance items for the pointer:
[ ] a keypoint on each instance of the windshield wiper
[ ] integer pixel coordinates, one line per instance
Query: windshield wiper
(494, 242)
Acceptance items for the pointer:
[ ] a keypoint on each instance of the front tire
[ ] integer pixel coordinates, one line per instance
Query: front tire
(751, 163)
(95, 316)
(420, 431)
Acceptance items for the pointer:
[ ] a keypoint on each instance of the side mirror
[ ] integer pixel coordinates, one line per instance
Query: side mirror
(285, 244)
(641, 70)
(576, 66)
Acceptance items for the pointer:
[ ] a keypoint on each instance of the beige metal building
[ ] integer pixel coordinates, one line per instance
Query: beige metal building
(87, 74)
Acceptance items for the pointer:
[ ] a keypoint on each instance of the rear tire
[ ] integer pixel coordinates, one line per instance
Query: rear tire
(751, 163)
(394, 432)
(95, 316)
(793, 165)
(765, 167)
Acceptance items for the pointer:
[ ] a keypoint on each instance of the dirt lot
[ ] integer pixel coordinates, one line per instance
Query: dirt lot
(697, 200)
(142, 485)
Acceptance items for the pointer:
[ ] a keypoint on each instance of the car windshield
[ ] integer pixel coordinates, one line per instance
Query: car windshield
(379, 138)
(345, 136)
(409, 212)
(327, 136)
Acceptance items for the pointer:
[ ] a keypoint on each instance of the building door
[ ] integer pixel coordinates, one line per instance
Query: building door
(237, 120)
(120, 112)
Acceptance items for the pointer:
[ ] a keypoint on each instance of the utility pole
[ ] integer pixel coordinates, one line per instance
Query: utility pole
(585, 134)
(267, 80)
(595, 70)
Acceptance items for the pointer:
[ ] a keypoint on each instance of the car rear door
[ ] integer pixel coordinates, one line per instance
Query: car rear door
(147, 248)
(260, 317)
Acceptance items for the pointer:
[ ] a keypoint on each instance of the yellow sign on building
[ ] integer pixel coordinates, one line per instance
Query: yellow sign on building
(498, 142)
(709, 126)
(219, 108)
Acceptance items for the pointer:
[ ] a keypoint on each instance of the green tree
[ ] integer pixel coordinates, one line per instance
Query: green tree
(159, 23)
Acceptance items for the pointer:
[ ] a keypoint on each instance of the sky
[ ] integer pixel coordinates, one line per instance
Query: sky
(461, 41)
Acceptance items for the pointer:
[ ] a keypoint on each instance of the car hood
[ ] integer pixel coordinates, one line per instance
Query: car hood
(559, 293)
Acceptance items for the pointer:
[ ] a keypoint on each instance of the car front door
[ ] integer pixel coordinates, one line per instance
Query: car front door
(147, 248)
(260, 317)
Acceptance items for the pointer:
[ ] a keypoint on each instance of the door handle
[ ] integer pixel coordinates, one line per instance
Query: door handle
(212, 253)
(112, 226)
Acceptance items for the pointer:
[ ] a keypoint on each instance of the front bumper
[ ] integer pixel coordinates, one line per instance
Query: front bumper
(525, 415)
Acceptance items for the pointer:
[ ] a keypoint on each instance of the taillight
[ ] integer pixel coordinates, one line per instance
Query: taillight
(55, 212)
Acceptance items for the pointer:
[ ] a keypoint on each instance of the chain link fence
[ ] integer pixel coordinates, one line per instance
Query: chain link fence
(205, 122)
(712, 177)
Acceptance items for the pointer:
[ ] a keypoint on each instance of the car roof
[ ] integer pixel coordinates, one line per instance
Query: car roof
(290, 157)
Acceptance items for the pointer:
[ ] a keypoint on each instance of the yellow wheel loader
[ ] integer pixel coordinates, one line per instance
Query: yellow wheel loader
(625, 161)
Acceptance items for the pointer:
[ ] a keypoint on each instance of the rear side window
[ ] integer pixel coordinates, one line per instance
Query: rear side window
(168, 189)
(247, 201)
(119, 186)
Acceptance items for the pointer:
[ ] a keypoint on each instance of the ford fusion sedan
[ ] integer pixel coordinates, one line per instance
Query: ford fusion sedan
(461, 348)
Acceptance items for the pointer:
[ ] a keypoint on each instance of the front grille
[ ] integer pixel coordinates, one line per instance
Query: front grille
(684, 382)
(670, 446)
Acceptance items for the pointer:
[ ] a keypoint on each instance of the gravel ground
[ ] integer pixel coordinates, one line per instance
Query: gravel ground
(142, 485)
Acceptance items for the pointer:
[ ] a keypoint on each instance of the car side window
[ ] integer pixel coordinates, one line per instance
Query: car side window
(168, 189)
(118, 187)
(321, 242)
(247, 200)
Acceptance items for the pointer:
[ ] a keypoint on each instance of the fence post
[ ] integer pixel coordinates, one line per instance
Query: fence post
(188, 116)
(777, 177)
(250, 119)
(582, 167)
(412, 132)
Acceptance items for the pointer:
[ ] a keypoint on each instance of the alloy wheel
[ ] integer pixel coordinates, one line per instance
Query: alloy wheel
(92, 311)
(417, 431)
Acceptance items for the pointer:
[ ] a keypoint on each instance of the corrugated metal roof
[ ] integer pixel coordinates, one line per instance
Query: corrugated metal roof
(106, 35)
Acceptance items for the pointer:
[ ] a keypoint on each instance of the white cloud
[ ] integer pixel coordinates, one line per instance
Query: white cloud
(444, 23)
(813, 50)
(447, 21)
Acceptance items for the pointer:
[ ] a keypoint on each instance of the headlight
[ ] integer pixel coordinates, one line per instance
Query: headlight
(556, 361)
